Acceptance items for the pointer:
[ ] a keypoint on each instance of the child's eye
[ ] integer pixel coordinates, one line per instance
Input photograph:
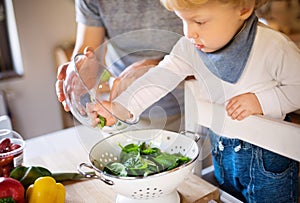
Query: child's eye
(200, 22)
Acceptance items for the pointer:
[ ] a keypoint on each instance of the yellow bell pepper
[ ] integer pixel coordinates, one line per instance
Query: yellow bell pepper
(46, 190)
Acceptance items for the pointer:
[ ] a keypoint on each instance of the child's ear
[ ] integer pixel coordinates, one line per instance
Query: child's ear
(245, 12)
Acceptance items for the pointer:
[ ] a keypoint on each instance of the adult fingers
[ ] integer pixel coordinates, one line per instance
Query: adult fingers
(114, 89)
(66, 107)
(60, 95)
(88, 51)
(59, 90)
(61, 71)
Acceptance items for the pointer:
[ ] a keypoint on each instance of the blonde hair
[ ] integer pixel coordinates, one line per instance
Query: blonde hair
(181, 4)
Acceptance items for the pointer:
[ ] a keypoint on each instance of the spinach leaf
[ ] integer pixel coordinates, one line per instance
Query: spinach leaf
(115, 168)
(144, 160)
(146, 149)
(166, 161)
(124, 156)
(129, 148)
(102, 121)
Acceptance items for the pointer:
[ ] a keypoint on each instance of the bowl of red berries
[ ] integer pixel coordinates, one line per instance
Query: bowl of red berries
(11, 151)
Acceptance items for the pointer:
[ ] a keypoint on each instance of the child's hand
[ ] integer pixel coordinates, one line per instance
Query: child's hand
(96, 109)
(242, 106)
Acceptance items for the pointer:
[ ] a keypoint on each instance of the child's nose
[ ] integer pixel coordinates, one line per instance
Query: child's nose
(191, 33)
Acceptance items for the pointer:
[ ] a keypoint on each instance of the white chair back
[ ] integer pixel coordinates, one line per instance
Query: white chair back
(275, 135)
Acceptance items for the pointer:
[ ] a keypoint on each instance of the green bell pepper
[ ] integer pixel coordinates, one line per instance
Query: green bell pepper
(27, 175)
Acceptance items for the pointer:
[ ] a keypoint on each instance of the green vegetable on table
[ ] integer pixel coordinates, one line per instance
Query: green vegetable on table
(7, 200)
(144, 160)
(27, 175)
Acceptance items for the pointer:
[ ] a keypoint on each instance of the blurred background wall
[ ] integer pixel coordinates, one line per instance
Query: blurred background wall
(42, 26)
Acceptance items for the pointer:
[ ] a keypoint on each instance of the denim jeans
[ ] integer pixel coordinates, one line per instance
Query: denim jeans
(253, 174)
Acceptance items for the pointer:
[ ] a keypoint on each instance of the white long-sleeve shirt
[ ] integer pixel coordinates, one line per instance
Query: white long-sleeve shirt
(272, 72)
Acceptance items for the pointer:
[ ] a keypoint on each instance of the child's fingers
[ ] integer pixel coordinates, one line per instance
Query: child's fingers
(242, 115)
(94, 110)
(232, 107)
(92, 113)
(111, 121)
(238, 114)
(95, 121)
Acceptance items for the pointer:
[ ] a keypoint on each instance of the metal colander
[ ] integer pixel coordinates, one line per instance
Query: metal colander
(158, 187)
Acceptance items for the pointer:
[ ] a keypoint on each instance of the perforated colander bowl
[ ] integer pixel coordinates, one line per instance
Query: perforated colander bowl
(159, 187)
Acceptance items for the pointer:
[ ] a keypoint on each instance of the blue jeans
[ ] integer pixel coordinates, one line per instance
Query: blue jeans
(253, 174)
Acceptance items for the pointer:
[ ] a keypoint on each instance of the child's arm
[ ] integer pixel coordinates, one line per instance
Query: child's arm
(147, 89)
(158, 81)
(280, 60)
(136, 98)
(243, 105)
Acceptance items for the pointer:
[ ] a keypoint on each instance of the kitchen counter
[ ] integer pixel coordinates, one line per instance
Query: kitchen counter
(63, 150)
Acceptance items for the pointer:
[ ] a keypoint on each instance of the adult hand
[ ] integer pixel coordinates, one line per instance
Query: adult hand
(243, 105)
(130, 74)
(61, 76)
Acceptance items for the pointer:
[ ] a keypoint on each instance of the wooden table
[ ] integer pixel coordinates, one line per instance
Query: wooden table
(64, 150)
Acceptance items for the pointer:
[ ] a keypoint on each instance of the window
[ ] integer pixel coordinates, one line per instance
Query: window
(10, 53)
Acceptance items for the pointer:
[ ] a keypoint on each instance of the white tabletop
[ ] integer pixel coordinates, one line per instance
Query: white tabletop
(64, 150)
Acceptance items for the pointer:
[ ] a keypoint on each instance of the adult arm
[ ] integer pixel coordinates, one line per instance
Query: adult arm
(87, 36)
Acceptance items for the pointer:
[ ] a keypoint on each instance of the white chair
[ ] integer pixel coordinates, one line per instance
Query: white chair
(275, 135)
(5, 122)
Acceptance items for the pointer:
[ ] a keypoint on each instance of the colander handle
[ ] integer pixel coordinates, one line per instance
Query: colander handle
(196, 136)
(80, 170)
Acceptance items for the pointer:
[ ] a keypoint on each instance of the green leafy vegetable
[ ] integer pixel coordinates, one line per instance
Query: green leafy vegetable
(117, 169)
(102, 121)
(105, 76)
(7, 200)
(143, 160)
